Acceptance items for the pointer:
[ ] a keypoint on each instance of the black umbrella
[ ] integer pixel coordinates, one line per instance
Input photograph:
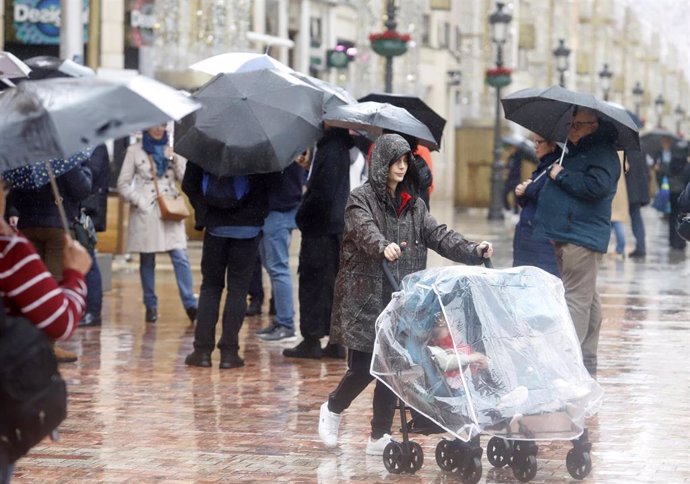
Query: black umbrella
(650, 142)
(548, 112)
(49, 67)
(522, 144)
(416, 107)
(251, 122)
(374, 117)
(333, 95)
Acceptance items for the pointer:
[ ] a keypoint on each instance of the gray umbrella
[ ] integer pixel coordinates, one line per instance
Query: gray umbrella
(56, 118)
(333, 95)
(251, 122)
(374, 117)
(548, 112)
(650, 142)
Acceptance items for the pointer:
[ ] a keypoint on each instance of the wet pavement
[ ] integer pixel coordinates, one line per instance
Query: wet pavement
(138, 415)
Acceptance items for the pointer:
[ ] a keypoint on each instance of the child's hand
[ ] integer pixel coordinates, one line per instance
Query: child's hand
(479, 360)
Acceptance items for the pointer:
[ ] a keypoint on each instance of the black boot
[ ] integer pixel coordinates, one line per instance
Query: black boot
(191, 313)
(333, 350)
(308, 348)
(230, 360)
(198, 358)
(254, 308)
(151, 315)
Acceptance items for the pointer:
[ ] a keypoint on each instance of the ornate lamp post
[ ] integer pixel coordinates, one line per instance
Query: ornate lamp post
(498, 78)
(605, 75)
(389, 43)
(659, 109)
(638, 94)
(680, 115)
(561, 53)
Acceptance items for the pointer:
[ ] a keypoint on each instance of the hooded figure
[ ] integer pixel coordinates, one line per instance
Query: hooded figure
(384, 218)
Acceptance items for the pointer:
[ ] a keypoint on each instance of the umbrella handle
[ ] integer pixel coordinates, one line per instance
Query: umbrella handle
(8, 82)
(58, 199)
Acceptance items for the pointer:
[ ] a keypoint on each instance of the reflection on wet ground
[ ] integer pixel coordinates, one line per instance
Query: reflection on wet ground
(138, 415)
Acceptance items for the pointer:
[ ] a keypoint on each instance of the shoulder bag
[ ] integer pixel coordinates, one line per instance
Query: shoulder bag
(173, 208)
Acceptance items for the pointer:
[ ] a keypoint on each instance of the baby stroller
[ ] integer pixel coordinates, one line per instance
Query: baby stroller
(477, 350)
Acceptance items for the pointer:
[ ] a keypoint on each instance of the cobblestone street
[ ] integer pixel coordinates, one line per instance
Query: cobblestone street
(138, 415)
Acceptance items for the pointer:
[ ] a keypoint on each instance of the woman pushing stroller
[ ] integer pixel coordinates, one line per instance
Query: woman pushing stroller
(384, 218)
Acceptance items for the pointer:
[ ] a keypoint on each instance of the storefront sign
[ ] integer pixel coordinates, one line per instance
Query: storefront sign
(37, 22)
(141, 20)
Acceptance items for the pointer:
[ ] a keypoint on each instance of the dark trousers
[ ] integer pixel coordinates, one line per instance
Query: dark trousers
(674, 240)
(256, 285)
(94, 287)
(355, 380)
(637, 227)
(224, 260)
(318, 266)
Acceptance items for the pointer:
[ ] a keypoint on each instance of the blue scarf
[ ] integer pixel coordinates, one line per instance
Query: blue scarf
(156, 148)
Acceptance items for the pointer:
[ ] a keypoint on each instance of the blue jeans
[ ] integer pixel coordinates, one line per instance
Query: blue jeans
(637, 227)
(94, 286)
(274, 250)
(620, 236)
(183, 275)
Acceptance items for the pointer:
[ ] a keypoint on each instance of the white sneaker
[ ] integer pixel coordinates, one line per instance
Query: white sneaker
(375, 447)
(328, 426)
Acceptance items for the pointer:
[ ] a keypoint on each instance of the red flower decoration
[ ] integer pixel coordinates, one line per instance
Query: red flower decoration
(389, 34)
(498, 71)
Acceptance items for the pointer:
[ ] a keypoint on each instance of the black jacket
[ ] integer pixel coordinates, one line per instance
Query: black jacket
(251, 211)
(96, 204)
(637, 178)
(322, 211)
(287, 194)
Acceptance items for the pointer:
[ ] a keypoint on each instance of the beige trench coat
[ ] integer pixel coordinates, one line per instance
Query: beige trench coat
(146, 231)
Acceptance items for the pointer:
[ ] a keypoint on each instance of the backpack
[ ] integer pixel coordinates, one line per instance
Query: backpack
(225, 192)
(33, 395)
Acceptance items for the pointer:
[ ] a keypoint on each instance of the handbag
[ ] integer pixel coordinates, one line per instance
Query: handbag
(173, 208)
(33, 395)
(662, 200)
(85, 231)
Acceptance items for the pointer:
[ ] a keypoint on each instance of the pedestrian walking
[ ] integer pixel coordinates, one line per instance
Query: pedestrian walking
(574, 211)
(146, 164)
(637, 181)
(96, 207)
(384, 219)
(620, 214)
(529, 250)
(229, 252)
(677, 171)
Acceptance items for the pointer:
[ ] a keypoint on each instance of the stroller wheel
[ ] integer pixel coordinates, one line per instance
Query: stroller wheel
(579, 464)
(472, 472)
(416, 459)
(445, 457)
(526, 470)
(498, 451)
(393, 458)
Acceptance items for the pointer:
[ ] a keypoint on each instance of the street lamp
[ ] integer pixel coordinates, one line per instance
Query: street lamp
(680, 114)
(638, 94)
(605, 75)
(561, 54)
(499, 21)
(659, 108)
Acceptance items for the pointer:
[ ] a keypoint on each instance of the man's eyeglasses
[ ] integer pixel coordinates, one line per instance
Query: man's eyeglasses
(581, 124)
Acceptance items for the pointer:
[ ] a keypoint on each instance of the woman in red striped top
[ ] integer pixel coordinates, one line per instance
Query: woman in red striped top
(29, 290)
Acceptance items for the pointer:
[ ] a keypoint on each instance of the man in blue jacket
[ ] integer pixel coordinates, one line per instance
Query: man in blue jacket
(574, 212)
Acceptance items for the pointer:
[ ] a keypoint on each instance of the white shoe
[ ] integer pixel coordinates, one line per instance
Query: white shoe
(328, 426)
(375, 447)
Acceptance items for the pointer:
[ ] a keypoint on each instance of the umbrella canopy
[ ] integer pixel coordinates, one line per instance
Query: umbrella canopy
(56, 118)
(548, 112)
(374, 117)
(36, 175)
(49, 67)
(416, 107)
(238, 62)
(11, 67)
(333, 95)
(521, 143)
(650, 142)
(251, 122)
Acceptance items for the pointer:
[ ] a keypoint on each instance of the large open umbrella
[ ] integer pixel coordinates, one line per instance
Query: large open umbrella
(251, 122)
(56, 118)
(238, 62)
(548, 112)
(11, 67)
(374, 117)
(416, 107)
(49, 67)
(650, 142)
(333, 95)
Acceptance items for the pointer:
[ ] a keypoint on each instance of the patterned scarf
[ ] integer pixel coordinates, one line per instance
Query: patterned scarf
(156, 148)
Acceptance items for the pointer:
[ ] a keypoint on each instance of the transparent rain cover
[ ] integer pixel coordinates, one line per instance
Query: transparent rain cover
(486, 351)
